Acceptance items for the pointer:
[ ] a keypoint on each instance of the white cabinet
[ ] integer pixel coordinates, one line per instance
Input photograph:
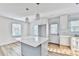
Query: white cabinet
(54, 39)
(65, 40)
(75, 43)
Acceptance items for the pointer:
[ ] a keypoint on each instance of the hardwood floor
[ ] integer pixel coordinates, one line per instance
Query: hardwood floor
(55, 54)
(61, 50)
(13, 49)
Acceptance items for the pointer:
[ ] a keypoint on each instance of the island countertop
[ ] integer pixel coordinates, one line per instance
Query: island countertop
(34, 41)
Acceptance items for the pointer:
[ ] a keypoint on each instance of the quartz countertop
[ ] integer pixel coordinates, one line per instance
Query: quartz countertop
(34, 41)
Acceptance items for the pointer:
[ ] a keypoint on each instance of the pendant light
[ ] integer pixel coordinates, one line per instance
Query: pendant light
(27, 19)
(37, 14)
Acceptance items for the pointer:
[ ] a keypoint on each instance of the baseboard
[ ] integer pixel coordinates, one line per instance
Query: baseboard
(53, 43)
(58, 44)
(65, 45)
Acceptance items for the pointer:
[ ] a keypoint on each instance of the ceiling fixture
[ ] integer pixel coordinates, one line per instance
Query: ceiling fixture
(37, 14)
(77, 3)
(27, 19)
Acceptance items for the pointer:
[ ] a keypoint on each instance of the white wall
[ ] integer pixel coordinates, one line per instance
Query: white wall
(63, 25)
(5, 30)
(64, 30)
(25, 29)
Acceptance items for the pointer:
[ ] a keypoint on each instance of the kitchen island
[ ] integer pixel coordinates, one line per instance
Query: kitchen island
(34, 46)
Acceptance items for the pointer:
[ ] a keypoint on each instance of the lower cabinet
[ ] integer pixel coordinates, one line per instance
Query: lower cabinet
(65, 40)
(75, 43)
(28, 50)
(54, 39)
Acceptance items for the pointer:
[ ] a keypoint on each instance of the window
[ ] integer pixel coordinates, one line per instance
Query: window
(35, 30)
(16, 29)
(74, 26)
(53, 29)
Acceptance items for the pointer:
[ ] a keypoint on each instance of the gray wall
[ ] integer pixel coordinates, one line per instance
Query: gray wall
(42, 30)
(5, 30)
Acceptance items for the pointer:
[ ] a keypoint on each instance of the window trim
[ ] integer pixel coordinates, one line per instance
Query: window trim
(57, 29)
(21, 29)
(70, 26)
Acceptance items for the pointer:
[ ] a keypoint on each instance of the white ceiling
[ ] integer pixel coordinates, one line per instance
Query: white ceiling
(18, 10)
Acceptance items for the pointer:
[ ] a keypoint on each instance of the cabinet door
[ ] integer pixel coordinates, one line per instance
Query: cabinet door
(54, 39)
(64, 40)
(27, 50)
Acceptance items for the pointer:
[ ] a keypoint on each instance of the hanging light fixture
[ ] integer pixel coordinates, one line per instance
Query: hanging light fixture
(27, 19)
(37, 15)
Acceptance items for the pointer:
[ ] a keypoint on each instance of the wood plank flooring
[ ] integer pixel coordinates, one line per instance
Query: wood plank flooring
(13, 49)
(61, 50)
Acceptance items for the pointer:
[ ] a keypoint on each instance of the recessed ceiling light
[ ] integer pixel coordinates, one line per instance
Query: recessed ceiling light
(37, 3)
(77, 3)
(27, 9)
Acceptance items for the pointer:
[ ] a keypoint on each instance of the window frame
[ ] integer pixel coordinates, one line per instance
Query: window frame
(12, 32)
(50, 29)
(73, 32)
